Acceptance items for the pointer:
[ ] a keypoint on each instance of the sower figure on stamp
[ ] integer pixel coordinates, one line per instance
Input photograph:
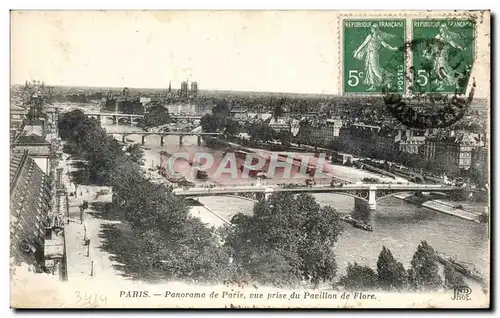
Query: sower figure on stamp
(368, 52)
(439, 53)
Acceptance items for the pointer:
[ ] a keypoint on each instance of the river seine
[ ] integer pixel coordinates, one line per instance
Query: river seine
(396, 224)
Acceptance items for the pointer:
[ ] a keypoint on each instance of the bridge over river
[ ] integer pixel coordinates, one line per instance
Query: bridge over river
(115, 117)
(162, 135)
(367, 193)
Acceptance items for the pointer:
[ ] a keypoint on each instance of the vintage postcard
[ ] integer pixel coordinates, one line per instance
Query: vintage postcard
(250, 159)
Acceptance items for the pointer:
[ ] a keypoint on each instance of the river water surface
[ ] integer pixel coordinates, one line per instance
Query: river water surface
(396, 224)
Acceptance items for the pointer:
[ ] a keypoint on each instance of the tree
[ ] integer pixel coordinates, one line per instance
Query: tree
(217, 120)
(261, 132)
(136, 154)
(296, 230)
(69, 121)
(452, 277)
(221, 108)
(278, 111)
(270, 268)
(359, 277)
(304, 135)
(232, 127)
(156, 116)
(391, 273)
(478, 173)
(208, 123)
(424, 273)
(285, 136)
(439, 167)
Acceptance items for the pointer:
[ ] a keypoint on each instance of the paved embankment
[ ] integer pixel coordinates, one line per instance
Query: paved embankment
(440, 206)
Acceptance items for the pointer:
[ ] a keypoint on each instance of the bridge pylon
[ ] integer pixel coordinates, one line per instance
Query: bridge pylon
(372, 203)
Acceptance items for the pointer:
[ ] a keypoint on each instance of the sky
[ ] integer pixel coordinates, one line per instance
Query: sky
(286, 51)
(227, 51)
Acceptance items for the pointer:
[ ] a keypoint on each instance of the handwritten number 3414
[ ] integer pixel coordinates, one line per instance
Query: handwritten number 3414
(90, 299)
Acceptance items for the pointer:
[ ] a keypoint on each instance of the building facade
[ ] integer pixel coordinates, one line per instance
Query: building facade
(17, 117)
(411, 140)
(387, 142)
(455, 150)
(279, 124)
(33, 139)
(181, 108)
(321, 131)
(30, 203)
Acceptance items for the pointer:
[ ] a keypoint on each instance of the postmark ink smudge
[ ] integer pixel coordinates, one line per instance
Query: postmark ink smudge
(437, 112)
(442, 55)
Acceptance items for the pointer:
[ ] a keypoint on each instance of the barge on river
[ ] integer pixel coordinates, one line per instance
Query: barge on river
(356, 223)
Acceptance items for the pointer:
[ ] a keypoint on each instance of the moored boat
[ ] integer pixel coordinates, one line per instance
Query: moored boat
(348, 219)
(363, 226)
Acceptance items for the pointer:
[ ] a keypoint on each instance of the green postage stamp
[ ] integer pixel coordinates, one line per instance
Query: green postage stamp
(443, 53)
(373, 55)
(376, 54)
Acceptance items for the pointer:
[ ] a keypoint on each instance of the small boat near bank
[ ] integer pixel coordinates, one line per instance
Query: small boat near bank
(347, 218)
(356, 223)
(363, 226)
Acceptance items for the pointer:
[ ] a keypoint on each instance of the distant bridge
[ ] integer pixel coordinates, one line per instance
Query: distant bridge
(162, 135)
(115, 117)
(368, 193)
(185, 117)
(131, 117)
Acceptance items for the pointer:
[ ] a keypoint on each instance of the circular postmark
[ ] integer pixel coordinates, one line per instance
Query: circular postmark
(437, 78)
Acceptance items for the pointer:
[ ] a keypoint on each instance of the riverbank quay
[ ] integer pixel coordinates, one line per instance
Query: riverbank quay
(440, 206)
(339, 172)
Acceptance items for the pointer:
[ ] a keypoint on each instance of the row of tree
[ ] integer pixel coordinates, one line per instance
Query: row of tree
(74, 98)
(423, 275)
(287, 241)
(168, 243)
(219, 120)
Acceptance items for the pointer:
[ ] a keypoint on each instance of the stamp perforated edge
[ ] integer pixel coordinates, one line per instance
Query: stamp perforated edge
(409, 16)
(474, 43)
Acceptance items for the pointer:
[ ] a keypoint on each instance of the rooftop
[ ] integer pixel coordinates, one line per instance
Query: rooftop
(16, 162)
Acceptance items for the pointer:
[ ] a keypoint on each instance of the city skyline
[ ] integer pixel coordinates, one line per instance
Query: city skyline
(220, 50)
